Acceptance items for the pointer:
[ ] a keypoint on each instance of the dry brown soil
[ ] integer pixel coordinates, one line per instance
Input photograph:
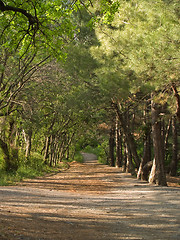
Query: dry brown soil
(89, 202)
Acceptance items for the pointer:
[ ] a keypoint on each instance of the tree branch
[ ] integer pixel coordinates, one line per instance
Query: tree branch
(32, 19)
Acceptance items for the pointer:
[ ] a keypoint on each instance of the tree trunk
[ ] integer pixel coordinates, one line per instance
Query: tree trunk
(142, 172)
(28, 143)
(174, 162)
(146, 156)
(166, 143)
(176, 94)
(51, 151)
(129, 163)
(5, 150)
(46, 153)
(124, 157)
(65, 145)
(118, 145)
(152, 176)
(128, 135)
(146, 170)
(12, 132)
(158, 144)
(111, 146)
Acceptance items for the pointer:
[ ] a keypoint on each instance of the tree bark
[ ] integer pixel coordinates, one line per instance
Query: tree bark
(129, 163)
(28, 143)
(166, 142)
(158, 144)
(118, 145)
(128, 135)
(174, 162)
(142, 173)
(152, 176)
(146, 170)
(111, 146)
(46, 153)
(124, 157)
(176, 94)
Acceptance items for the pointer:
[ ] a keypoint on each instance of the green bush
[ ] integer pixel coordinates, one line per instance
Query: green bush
(99, 151)
(78, 157)
(2, 163)
(6, 178)
(27, 168)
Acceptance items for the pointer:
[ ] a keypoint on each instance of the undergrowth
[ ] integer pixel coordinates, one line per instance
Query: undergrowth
(32, 167)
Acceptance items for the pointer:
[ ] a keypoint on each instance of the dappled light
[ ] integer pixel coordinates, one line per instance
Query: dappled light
(114, 206)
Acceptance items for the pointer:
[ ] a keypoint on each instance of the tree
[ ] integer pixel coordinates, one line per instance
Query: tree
(131, 62)
(31, 33)
(174, 162)
(158, 145)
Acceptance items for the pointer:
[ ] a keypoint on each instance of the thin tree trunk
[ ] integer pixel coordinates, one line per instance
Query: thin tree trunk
(28, 143)
(118, 145)
(11, 132)
(65, 146)
(124, 157)
(129, 164)
(152, 176)
(128, 135)
(52, 150)
(146, 155)
(111, 146)
(174, 162)
(176, 94)
(168, 128)
(142, 172)
(46, 153)
(158, 144)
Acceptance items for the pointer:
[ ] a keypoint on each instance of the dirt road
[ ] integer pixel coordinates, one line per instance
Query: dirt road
(89, 202)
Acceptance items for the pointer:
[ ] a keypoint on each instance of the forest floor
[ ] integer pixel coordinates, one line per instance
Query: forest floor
(89, 201)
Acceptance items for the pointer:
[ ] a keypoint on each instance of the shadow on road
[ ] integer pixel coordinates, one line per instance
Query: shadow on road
(89, 201)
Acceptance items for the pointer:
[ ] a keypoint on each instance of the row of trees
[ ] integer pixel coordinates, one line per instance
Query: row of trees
(120, 72)
(139, 71)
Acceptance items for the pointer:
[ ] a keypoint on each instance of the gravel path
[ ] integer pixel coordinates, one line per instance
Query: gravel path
(89, 202)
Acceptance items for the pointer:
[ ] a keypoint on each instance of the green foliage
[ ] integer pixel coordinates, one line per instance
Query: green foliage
(78, 157)
(2, 163)
(100, 151)
(14, 159)
(30, 168)
(138, 48)
(48, 26)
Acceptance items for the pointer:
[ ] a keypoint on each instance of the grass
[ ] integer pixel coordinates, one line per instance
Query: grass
(31, 168)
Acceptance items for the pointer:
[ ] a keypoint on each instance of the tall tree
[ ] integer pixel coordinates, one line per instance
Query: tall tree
(158, 144)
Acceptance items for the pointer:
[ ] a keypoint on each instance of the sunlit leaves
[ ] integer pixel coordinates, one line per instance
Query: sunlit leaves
(143, 36)
(52, 31)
